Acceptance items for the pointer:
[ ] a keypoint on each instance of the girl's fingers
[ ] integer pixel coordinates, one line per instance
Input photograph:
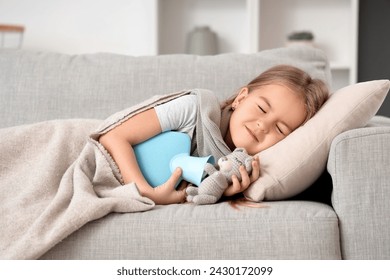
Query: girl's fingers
(182, 186)
(245, 180)
(179, 195)
(174, 177)
(182, 196)
(238, 186)
(255, 169)
(234, 187)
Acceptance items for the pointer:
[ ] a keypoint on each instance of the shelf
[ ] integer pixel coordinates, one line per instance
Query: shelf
(334, 24)
(330, 21)
(245, 26)
(228, 18)
(339, 66)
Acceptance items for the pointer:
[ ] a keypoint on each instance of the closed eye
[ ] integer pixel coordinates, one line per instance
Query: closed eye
(279, 130)
(262, 109)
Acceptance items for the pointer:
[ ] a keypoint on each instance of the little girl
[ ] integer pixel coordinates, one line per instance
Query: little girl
(261, 114)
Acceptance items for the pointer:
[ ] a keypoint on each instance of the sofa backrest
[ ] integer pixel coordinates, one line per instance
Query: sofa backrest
(38, 86)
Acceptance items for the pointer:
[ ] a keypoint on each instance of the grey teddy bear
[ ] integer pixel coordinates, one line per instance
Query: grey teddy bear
(212, 187)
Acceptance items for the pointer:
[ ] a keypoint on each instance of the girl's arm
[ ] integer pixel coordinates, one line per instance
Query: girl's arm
(119, 143)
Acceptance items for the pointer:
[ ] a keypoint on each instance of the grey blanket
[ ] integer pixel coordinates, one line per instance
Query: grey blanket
(54, 179)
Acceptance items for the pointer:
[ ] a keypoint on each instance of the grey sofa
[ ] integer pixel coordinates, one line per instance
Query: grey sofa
(341, 216)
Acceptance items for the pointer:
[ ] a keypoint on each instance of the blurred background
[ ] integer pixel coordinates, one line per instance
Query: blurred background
(354, 34)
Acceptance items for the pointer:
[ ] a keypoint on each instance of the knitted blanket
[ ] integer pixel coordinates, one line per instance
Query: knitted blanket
(55, 177)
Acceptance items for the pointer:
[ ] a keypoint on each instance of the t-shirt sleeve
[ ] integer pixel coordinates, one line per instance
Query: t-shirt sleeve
(178, 114)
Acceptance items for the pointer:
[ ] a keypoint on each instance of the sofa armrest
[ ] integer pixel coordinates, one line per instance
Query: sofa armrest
(359, 163)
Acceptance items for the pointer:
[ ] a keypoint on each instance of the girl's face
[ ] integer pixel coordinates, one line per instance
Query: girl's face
(264, 117)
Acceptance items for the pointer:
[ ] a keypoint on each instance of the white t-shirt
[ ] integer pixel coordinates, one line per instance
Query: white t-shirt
(178, 114)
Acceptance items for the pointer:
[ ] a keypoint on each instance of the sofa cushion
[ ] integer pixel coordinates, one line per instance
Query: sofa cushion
(37, 86)
(286, 229)
(293, 164)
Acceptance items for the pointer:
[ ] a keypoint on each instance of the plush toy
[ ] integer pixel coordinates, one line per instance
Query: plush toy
(212, 187)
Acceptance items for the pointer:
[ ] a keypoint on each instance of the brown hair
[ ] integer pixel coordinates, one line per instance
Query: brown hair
(314, 92)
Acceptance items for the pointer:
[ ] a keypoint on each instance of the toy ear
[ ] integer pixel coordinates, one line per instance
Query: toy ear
(225, 165)
(240, 150)
(248, 161)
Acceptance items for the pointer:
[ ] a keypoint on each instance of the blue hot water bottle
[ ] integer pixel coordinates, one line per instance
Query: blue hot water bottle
(159, 156)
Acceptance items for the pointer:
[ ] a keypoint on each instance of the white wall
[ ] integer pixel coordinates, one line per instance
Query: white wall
(85, 26)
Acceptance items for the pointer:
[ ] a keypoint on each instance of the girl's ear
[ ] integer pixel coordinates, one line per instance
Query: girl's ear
(242, 94)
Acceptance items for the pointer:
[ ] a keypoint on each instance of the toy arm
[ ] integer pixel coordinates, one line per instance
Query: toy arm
(248, 164)
(209, 168)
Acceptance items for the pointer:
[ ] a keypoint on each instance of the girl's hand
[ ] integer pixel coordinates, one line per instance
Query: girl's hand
(237, 186)
(166, 193)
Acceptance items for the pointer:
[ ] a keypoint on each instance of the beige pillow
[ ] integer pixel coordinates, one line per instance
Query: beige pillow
(292, 165)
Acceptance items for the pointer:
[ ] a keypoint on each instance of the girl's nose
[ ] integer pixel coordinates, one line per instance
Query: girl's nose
(263, 126)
